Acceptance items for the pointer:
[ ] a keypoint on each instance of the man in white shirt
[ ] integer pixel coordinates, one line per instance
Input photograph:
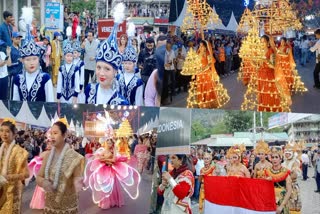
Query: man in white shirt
(305, 164)
(198, 167)
(316, 48)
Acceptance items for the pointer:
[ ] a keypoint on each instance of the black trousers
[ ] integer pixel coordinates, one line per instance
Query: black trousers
(87, 75)
(316, 75)
(305, 171)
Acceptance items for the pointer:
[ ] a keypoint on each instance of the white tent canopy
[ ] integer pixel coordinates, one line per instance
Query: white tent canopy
(26, 116)
(216, 26)
(72, 127)
(5, 113)
(43, 119)
(232, 25)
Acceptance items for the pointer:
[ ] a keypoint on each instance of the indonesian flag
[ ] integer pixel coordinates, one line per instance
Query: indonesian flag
(235, 195)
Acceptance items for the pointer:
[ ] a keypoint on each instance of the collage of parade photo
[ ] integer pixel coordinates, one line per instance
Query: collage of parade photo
(160, 106)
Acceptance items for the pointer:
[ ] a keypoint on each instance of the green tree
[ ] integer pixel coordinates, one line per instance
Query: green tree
(198, 131)
(238, 121)
(80, 6)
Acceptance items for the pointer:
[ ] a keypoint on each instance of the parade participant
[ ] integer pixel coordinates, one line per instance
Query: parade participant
(123, 147)
(38, 198)
(316, 48)
(77, 60)
(292, 163)
(61, 173)
(271, 95)
(130, 85)
(68, 86)
(108, 63)
(123, 42)
(142, 154)
(236, 168)
(32, 84)
(210, 93)
(106, 172)
(261, 150)
(177, 187)
(13, 168)
(56, 57)
(282, 181)
(207, 170)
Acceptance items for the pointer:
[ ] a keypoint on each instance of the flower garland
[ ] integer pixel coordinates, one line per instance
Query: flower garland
(58, 165)
(6, 160)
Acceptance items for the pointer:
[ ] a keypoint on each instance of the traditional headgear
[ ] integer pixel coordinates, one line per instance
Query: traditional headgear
(9, 120)
(108, 49)
(276, 150)
(64, 121)
(130, 53)
(262, 147)
(67, 48)
(76, 44)
(29, 47)
(236, 149)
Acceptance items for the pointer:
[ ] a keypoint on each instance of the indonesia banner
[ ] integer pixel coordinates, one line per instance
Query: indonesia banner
(234, 195)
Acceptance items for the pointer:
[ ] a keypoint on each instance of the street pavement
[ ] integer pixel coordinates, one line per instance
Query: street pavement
(305, 103)
(140, 206)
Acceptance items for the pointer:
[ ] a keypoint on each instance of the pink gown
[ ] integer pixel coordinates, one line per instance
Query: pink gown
(105, 181)
(37, 201)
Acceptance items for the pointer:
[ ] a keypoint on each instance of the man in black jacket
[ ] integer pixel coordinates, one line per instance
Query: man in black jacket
(147, 60)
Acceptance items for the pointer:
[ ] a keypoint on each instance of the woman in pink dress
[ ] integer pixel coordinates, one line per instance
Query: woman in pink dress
(106, 172)
(142, 154)
(37, 201)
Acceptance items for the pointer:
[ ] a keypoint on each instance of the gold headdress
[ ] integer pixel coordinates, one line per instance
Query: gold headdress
(262, 147)
(64, 121)
(236, 149)
(276, 150)
(291, 147)
(9, 120)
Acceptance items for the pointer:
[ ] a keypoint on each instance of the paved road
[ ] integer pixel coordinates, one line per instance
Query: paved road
(306, 103)
(140, 205)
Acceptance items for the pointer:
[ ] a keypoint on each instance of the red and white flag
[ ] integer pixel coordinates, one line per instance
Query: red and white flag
(234, 195)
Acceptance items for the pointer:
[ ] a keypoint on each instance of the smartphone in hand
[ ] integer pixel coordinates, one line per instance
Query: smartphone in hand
(6, 58)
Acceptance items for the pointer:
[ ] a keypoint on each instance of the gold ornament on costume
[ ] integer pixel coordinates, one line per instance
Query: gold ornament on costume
(64, 121)
(276, 16)
(9, 120)
(262, 147)
(192, 64)
(198, 15)
(246, 22)
(124, 130)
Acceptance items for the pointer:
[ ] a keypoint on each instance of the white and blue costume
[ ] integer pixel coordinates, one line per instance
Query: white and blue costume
(107, 52)
(36, 86)
(130, 85)
(68, 85)
(78, 62)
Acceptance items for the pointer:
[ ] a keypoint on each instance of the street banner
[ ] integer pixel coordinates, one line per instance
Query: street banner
(105, 27)
(174, 131)
(54, 16)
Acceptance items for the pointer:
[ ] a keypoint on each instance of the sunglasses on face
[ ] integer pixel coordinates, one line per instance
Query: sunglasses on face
(206, 158)
(260, 154)
(275, 157)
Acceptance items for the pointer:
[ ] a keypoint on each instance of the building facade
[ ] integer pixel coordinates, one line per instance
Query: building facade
(307, 130)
